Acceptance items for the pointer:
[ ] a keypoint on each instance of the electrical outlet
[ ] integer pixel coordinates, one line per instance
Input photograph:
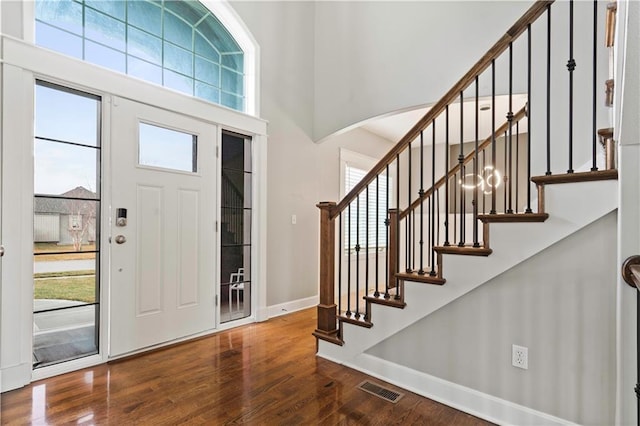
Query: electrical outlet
(520, 357)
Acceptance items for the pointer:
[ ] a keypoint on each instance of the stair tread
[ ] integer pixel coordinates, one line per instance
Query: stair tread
(425, 278)
(328, 337)
(463, 250)
(513, 217)
(576, 177)
(356, 320)
(390, 301)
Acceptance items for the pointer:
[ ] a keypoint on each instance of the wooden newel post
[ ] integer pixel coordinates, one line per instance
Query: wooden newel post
(392, 251)
(327, 320)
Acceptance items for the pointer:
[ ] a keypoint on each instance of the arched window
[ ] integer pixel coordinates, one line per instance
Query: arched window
(177, 44)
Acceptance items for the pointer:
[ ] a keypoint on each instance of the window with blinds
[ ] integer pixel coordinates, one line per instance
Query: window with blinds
(355, 227)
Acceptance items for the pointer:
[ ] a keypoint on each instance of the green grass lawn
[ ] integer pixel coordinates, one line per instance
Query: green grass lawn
(75, 285)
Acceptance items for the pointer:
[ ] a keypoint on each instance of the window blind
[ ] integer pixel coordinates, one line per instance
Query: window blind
(357, 218)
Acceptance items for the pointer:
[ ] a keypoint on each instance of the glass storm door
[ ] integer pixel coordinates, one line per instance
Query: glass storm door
(163, 245)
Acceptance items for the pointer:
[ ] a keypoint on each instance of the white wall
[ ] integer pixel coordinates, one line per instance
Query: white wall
(374, 57)
(561, 304)
(300, 172)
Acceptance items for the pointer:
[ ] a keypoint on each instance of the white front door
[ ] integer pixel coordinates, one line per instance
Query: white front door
(163, 253)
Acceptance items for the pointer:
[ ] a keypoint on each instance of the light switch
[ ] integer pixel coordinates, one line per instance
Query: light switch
(294, 219)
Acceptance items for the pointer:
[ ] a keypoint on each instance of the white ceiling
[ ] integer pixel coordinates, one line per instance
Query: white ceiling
(394, 126)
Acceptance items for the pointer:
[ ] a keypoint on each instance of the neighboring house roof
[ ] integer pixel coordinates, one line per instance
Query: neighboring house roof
(45, 205)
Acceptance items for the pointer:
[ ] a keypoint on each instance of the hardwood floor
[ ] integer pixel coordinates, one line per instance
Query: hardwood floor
(263, 374)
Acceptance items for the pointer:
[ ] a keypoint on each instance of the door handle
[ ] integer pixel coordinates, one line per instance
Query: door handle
(121, 239)
(631, 271)
(1, 251)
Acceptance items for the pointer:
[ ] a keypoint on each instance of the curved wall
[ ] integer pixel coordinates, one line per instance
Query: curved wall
(372, 58)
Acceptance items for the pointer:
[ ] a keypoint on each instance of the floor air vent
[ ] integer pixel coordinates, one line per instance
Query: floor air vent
(380, 391)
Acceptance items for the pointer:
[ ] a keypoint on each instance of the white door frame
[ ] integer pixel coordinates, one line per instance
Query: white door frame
(22, 63)
(627, 133)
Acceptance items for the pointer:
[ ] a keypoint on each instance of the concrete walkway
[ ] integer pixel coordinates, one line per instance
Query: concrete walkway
(64, 319)
(63, 265)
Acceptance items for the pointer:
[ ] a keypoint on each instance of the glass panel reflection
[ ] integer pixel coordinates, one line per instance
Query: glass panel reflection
(56, 108)
(177, 31)
(104, 56)
(58, 40)
(65, 225)
(165, 33)
(145, 15)
(235, 253)
(66, 15)
(64, 335)
(206, 92)
(104, 29)
(235, 226)
(168, 149)
(63, 280)
(61, 168)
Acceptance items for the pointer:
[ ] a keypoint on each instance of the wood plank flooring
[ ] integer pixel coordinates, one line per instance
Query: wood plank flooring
(260, 374)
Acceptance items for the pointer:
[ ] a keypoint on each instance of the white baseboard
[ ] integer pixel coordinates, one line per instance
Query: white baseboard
(292, 306)
(462, 398)
(15, 377)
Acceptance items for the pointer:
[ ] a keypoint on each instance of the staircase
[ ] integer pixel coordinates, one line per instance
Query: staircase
(506, 190)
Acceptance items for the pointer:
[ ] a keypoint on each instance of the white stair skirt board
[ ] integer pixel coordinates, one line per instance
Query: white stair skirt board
(570, 207)
(292, 306)
(471, 401)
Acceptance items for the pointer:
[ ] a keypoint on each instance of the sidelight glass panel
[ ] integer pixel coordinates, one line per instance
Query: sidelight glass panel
(66, 225)
(166, 148)
(65, 334)
(182, 37)
(56, 108)
(60, 168)
(235, 227)
(62, 280)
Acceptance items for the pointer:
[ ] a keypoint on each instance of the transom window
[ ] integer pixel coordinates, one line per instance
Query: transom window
(177, 44)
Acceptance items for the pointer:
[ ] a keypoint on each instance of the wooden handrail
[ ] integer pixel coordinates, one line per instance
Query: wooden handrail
(500, 130)
(496, 50)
